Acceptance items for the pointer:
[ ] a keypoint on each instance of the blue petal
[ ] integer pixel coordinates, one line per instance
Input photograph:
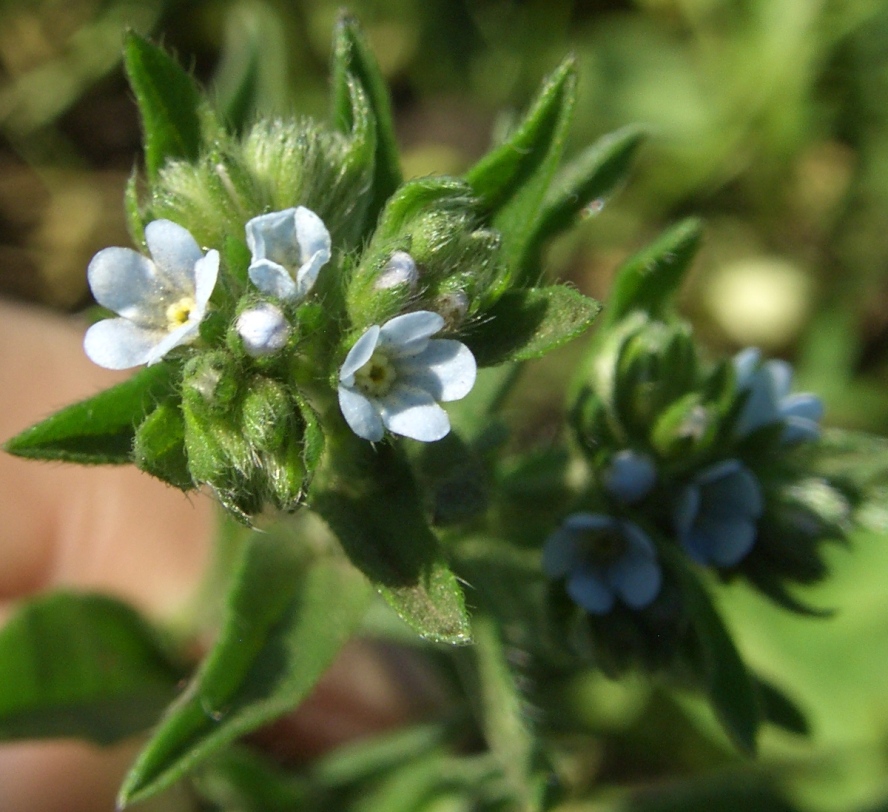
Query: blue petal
(746, 362)
(273, 279)
(399, 270)
(561, 553)
(587, 588)
(799, 430)
(736, 493)
(413, 413)
(590, 521)
(686, 510)
(636, 579)
(630, 476)
(175, 252)
(120, 344)
(727, 542)
(446, 369)
(272, 236)
(127, 283)
(360, 353)
(760, 407)
(409, 334)
(803, 404)
(780, 377)
(360, 414)
(206, 272)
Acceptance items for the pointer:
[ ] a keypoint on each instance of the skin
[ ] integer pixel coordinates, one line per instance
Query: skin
(116, 530)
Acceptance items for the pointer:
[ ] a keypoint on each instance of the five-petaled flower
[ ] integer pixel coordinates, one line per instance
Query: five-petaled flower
(768, 399)
(716, 517)
(288, 249)
(395, 375)
(161, 301)
(603, 558)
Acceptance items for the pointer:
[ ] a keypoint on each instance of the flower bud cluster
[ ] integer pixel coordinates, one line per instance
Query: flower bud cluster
(290, 325)
(691, 463)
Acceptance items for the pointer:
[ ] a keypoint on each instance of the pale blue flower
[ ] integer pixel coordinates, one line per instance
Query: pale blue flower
(716, 518)
(768, 399)
(161, 301)
(263, 329)
(288, 249)
(395, 375)
(601, 559)
(629, 476)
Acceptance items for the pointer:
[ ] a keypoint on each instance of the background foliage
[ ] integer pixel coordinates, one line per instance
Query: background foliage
(768, 120)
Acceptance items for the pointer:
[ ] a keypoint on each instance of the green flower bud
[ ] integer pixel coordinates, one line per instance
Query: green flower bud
(159, 447)
(210, 383)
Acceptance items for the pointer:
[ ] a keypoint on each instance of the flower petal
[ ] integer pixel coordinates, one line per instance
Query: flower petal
(127, 283)
(803, 405)
(746, 362)
(589, 521)
(120, 343)
(446, 369)
(799, 430)
(272, 236)
(736, 494)
(686, 510)
(408, 334)
(724, 543)
(780, 376)
(360, 353)
(273, 279)
(360, 414)
(561, 553)
(636, 578)
(312, 235)
(175, 252)
(587, 588)
(413, 413)
(181, 335)
(206, 272)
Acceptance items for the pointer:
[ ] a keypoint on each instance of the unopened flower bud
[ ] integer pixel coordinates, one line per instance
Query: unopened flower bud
(452, 307)
(263, 329)
(399, 270)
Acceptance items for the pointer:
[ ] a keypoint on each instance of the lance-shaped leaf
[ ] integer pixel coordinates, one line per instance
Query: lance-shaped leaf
(100, 429)
(354, 61)
(648, 279)
(289, 612)
(82, 666)
(590, 177)
(370, 500)
(168, 101)
(724, 676)
(513, 179)
(528, 323)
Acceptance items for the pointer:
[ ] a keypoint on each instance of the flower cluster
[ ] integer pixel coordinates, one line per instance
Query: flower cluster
(392, 378)
(683, 456)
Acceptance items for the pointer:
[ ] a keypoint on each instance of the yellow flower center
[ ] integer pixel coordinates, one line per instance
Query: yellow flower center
(377, 376)
(179, 312)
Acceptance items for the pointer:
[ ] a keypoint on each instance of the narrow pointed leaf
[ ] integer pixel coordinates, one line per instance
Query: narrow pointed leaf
(725, 678)
(648, 280)
(370, 500)
(289, 612)
(100, 429)
(590, 177)
(168, 101)
(354, 61)
(528, 323)
(513, 179)
(83, 666)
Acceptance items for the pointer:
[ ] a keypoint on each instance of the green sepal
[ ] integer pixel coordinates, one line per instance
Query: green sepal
(135, 223)
(723, 675)
(513, 179)
(168, 100)
(370, 500)
(353, 60)
(288, 613)
(648, 279)
(99, 430)
(159, 447)
(593, 175)
(80, 665)
(528, 323)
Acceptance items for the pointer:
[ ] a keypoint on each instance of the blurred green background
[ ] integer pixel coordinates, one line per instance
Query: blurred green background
(767, 117)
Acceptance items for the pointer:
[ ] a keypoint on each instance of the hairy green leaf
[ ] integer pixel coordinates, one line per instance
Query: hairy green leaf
(168, 101)
(100, 429)
(513, 179)
(82, 666)
(528, 323)
(289, 612)
(649, 278)
(354, 61)
(370, 500)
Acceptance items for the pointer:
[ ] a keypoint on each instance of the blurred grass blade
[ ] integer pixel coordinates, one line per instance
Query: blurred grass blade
(513, 179)
(100, 429)
(353, 59)
(83, 666)
(289, 612)
(168, 101)
(648, 279)
(593, 175)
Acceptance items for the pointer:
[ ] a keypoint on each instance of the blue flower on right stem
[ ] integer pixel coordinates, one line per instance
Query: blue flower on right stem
(768, 400)
(716, 519)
